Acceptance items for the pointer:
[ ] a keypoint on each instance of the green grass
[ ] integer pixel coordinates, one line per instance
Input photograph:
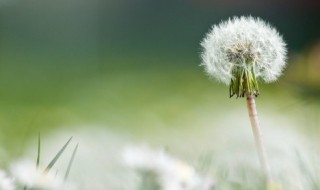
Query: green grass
(130, 93)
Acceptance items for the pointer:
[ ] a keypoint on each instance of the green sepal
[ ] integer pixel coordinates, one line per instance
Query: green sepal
(244, 82)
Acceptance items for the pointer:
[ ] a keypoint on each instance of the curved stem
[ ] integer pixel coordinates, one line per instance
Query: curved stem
(253, 114)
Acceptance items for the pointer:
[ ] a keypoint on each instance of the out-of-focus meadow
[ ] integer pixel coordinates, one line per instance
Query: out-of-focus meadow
(131, 68)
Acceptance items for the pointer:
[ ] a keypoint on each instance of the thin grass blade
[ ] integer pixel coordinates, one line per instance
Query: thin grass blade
(39, 149)
(55, 159)
(70, 162)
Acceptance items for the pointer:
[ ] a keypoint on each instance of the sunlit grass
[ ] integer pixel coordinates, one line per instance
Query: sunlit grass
(169, 104)
(143, 97)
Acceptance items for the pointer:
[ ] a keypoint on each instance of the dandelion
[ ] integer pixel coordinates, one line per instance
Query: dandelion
(240, 51)
(27, 174)
(164, 171)
(6, 183)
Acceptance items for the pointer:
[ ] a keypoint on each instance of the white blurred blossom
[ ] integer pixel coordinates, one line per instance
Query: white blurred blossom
(170, 173)
(27, 174)
(6, 183)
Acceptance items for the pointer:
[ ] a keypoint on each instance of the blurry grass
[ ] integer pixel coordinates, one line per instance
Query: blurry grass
(131, 93)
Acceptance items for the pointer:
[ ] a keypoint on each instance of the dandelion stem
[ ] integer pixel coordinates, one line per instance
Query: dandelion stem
(253, 114)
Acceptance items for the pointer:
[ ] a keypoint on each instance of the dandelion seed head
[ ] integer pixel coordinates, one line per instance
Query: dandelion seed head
(243, 43)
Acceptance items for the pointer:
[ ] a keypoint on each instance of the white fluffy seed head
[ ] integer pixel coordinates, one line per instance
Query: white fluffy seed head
(232, 43)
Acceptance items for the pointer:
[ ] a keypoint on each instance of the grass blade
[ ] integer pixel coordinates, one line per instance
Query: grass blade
(55, 159)
(39, 147)
(70, 162)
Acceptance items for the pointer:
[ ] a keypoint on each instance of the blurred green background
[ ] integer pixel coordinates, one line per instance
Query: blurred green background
(134, 65)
